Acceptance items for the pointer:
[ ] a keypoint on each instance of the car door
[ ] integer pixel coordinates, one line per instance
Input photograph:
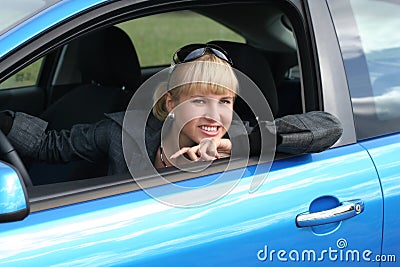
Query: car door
(241, 229)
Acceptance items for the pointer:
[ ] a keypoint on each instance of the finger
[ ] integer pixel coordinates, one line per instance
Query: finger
(208, 147)
(192, 153)
(207, 155)
(181, 152)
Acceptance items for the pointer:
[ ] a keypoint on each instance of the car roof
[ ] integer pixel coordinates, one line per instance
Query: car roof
(40, 20)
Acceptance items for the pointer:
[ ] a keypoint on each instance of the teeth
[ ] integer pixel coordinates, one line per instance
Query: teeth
(209, 128)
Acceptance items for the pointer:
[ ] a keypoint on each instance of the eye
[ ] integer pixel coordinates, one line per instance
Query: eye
(225, 101)
(198, 101)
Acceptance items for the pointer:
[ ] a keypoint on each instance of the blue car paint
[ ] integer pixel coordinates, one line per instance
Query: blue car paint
(41, 22)
(385, 154)
(133, 229)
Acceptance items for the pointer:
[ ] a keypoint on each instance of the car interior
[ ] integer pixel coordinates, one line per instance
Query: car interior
(99, 72)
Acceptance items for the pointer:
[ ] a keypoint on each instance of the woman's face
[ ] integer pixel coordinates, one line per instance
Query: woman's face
(199, 116)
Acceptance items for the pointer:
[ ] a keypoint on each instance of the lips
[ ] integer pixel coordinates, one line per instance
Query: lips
(210, 130)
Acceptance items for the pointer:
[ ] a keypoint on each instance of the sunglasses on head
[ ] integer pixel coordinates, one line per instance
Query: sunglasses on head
(194, 51)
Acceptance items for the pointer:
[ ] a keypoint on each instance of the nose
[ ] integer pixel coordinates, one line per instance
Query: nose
(212, 111)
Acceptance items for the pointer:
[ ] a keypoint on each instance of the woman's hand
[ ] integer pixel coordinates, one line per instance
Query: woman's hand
(208, 149)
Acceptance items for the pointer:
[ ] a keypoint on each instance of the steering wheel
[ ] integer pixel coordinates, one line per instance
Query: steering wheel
(8, 153)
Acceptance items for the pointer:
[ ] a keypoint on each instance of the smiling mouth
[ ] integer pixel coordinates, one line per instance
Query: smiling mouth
(210, 130)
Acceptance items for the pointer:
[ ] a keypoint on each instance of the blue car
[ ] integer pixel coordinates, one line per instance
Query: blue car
(71, 61)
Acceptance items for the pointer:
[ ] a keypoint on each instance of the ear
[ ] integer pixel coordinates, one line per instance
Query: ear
(169, 102)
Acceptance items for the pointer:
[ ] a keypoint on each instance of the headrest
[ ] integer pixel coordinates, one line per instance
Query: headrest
(253, 63)
(108, 57)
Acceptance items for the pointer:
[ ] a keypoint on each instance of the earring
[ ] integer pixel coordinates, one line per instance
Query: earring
(171, 116)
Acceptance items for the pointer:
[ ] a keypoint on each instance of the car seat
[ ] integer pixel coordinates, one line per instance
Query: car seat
(110, 72)
(253, 63)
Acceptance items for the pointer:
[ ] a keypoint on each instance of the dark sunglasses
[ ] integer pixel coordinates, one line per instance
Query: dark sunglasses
(194, 51)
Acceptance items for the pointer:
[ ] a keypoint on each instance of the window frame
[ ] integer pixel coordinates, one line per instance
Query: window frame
(331, 76)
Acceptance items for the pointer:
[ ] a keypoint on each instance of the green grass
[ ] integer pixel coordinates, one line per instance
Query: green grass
(156, 38)
(25, 77)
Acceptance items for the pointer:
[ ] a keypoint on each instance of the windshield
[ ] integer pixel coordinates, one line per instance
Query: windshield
(14, 12)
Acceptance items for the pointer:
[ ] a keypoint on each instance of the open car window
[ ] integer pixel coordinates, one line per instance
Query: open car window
(69, 68)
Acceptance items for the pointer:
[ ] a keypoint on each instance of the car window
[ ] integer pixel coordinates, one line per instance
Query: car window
(370, 43)
(157, 37)
(25, 77)
(265, 54)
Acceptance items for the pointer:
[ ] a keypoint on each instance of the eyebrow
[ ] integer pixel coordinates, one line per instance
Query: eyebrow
(224, 97)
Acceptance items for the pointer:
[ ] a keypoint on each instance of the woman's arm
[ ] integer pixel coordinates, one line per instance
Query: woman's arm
(86, 141)
(310, 132)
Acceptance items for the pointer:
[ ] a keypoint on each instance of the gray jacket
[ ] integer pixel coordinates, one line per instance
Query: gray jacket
(302, 133)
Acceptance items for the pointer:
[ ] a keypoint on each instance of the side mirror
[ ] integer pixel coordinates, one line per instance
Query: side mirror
(13, 197)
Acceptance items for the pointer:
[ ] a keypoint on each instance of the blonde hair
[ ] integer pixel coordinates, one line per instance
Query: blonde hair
(207, 74)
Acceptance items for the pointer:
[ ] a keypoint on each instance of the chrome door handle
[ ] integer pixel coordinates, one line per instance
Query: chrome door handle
(346, 210)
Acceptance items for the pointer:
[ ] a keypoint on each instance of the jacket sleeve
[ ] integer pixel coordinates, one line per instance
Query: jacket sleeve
(86, 141)
(310, 132)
